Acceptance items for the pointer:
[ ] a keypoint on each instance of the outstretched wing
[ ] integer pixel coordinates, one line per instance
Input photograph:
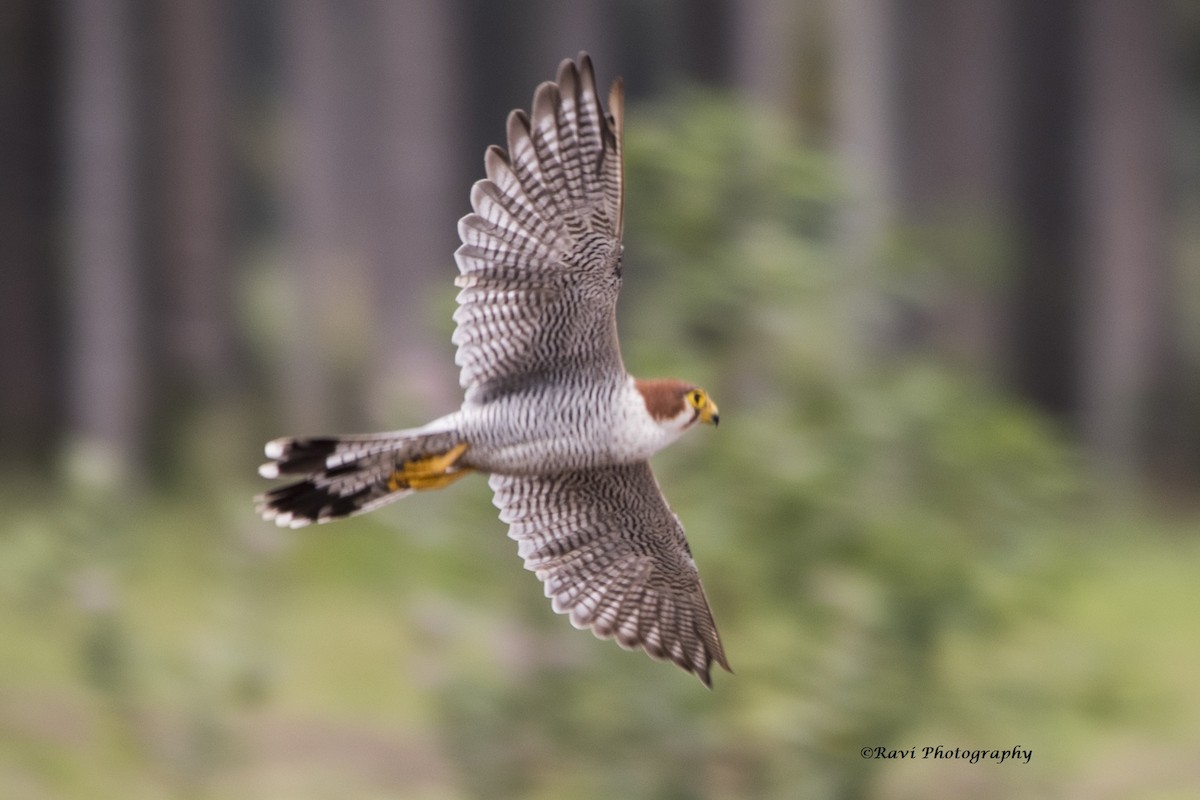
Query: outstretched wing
(613, 556)
(540, 260)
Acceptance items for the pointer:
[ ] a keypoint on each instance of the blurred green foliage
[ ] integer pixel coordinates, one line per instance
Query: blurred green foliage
(890, 547)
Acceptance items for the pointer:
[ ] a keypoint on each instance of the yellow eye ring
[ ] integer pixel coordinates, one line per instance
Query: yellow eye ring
(696, 398)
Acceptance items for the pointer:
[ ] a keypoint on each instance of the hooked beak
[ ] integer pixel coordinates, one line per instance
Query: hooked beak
(709, 414)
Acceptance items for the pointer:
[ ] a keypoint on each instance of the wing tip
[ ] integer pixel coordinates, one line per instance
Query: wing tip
(568, 76)
(616, 106)
(547, 99)
(706, 650)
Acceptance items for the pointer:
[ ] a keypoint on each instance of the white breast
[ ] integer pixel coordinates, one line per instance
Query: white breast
(636, 434)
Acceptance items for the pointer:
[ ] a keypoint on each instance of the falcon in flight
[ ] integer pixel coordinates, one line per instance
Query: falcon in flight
(549, 413)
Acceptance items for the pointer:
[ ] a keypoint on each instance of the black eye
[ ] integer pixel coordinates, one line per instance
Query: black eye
(697, 398)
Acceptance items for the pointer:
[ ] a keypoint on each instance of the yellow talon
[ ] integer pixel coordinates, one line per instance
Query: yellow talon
(434, 465)
(438, 481)
(431, 472)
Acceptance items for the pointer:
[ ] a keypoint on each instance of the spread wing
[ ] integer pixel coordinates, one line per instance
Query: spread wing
(540, 260)
(613, 556)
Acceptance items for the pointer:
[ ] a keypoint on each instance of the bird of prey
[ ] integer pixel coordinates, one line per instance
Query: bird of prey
(549, 412)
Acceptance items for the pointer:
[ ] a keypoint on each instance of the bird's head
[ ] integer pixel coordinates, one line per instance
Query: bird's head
(677, 404)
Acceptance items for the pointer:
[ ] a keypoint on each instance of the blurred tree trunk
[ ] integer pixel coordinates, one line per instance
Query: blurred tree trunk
(193, 277)
(413, 194)
(1045, 304)
(764, 49)
(107, 379)
(951, 139)
(1125, 283)
(330, 314)
(864, 137)
(31, 380)
(707, 47)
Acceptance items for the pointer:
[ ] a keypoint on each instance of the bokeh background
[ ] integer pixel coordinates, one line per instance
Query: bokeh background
(938, 261)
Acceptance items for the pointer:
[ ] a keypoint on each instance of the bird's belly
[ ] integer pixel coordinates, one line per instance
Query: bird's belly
(540, 456)
(517, 442)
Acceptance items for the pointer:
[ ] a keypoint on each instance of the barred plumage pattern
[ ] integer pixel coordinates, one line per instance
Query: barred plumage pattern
(549, 410)
(613, 557)
(541, 256)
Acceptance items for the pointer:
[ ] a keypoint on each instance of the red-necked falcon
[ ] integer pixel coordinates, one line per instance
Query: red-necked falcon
(549, 412)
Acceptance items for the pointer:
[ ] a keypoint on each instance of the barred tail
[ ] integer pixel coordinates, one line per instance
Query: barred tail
(348, 475)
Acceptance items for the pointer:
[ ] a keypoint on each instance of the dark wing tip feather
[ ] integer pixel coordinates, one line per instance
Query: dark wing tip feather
(517, 128)
(689, 640)
(568, 78)
(494, 160)
(616, 130)
(546, 100)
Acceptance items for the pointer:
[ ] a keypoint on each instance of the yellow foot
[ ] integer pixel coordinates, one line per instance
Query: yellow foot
(431, 472)
(438, 481)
